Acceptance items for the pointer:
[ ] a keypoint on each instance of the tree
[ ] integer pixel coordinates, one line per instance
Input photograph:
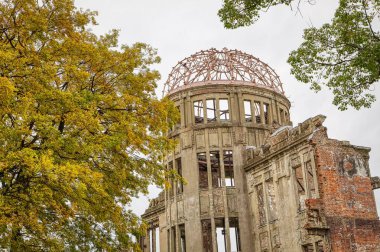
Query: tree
(81, 130)
(343, 55)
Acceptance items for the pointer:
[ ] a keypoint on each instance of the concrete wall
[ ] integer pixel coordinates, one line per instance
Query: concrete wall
(311, 193)
(195, 204)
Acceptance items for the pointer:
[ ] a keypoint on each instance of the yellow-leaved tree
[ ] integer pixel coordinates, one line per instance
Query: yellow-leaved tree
(81, 130)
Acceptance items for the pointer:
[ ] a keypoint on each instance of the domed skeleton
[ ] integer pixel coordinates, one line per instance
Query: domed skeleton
(221, 67)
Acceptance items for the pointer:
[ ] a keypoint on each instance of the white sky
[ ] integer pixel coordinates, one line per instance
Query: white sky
(179, 28)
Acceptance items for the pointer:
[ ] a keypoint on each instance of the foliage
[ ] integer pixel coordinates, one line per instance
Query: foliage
(80, 130)
(343, 55)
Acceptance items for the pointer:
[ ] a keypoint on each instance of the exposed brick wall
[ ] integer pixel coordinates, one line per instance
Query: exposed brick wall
(347, 200)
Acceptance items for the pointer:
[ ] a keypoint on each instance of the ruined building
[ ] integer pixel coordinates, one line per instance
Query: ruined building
(253, 181)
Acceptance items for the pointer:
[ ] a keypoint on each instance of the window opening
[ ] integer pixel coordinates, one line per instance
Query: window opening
(308, 248)
(179, 171)
(224, 113)
(257, 112)
(282, 116)
(174, 239)
(286, 116)
(151, 240)
(266, 113)
(182, 242)
(157, 239)
(300, 186)
(228, 168)
(220, 234)
(206, 235)
(215, 169)
(260, 204)
(198, 112)
(211, 110)
(320, 246)
(271, 201)
(247, 111)
(300, 182)
(234, 234)
(310, 178)
(202, 166)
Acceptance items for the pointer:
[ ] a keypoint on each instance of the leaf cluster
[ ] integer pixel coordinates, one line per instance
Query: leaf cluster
(81, 130)
(343, 55)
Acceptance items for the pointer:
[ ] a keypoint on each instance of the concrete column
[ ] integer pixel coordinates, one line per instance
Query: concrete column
(262, 112)
(217, 112)
(189, 112)
(240, 107)
(182, 107)
(234, 111)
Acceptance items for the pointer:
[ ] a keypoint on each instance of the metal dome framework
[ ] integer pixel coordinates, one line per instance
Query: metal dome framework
(219, 66)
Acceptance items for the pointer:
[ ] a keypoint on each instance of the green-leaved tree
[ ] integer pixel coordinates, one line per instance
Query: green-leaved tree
(81, 130)
(343, 55)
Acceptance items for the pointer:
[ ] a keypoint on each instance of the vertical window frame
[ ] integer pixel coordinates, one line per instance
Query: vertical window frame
(211, 109)
(226, 112)
(198, 110)
(228, 163)
(247, 105)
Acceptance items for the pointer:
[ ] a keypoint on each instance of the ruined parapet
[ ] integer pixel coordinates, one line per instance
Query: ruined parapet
(322, 185)
(286, 136)
(156, 206)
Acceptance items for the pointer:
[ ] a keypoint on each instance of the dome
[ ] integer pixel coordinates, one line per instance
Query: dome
(221, 67)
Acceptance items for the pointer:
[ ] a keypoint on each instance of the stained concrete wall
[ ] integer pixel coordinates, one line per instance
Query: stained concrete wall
(196, 204)
(318, 190)
(295, 189)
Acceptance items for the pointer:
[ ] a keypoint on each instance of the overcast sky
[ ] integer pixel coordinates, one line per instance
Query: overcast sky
(179, 28)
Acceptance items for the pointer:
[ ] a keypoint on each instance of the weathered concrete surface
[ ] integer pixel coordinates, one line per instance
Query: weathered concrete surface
(323, 192)
(293, 188)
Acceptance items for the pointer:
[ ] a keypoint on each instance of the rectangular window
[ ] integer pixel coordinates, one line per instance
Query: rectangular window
(224, 113)
(182, 234)
(310, 178)
(260, 204)
(215, 169)
(272, 211)
(257, 112)
(198, 112)
(286, 117)
(202, 166)
(308, 248)
(178, 164)
(228, 168)
(234, 234)
(220, 234)
(174, 239)
(157, 236)
(247, 111)
(282, 116)
(206, 235)
(320, 247)
(266, 113)
(301, 190)
(300, 181)
(211, 110)
(151, 242)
